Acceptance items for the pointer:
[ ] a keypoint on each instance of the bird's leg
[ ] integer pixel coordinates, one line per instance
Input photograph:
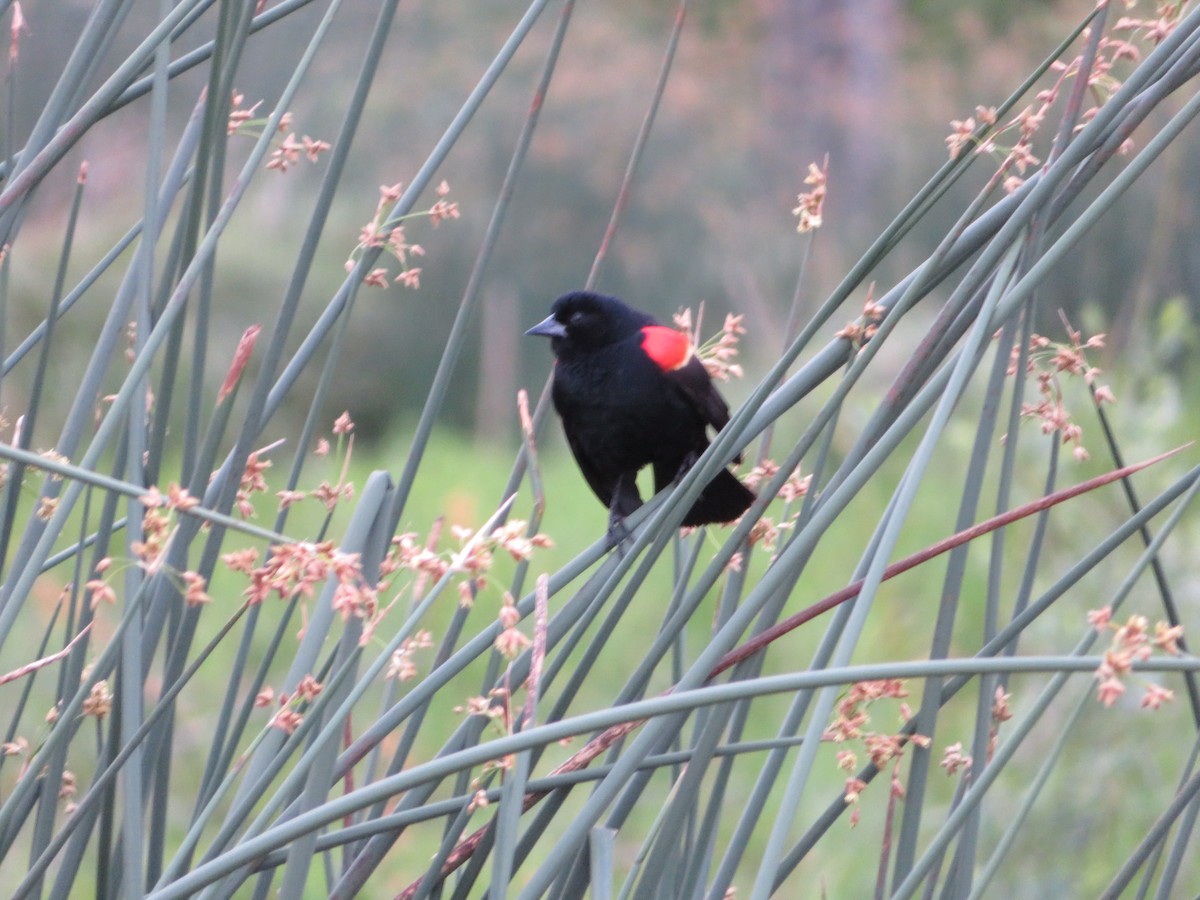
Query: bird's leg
(618, 532)
(625, 499)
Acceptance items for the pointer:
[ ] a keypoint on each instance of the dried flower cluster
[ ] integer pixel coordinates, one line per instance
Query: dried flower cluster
(401, 666)
(99, 588)
(50, 455)
(252, 482)
(388, 234)
(1048, 360)
(1017, 157)
(442, 209)
(47, 505)
(289, 716)
(149, 553)
(1131, 642)
(862, 329)
(329, 495)
(300, 569)
(479, 800)
(99, 700)
(67, 789)
(18, 746)
(496, 706)
(296, 569)
(850, 725)
(766, 531)
(1001, 712)
(242, 117)
(795, 488)
(493, 706)
(288, 152)
(290, 568)
(511, 642)
(408, 553)
(1155, 30)
(809, 210)
(719, 351)
(953, 757)
(245, 120)
(476, 557)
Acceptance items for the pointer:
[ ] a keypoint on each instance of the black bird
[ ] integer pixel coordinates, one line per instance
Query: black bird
(632, 393)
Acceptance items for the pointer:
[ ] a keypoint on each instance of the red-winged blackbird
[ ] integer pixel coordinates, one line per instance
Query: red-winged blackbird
(632, 393)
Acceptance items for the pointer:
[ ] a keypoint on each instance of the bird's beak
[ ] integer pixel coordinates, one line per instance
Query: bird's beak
(549, 327)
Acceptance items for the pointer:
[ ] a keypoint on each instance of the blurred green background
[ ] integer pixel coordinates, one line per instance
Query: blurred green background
(758, 90)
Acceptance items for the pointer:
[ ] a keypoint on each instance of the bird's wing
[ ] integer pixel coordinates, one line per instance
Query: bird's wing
(694, 381)
(672, 352)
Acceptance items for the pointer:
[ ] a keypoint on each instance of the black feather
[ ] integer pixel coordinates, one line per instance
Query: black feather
(622, 411)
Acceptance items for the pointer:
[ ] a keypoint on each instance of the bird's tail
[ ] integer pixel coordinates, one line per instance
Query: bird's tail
(723, 500)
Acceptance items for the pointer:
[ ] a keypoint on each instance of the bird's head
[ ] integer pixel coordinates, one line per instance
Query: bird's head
(583, 321)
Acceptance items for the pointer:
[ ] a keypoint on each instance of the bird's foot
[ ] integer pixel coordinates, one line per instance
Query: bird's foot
(619, 535)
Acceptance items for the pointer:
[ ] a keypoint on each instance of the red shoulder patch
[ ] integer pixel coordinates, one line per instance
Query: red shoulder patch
(669, 348)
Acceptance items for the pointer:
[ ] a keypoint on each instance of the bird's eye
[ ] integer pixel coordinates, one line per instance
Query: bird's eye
(577, 317)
